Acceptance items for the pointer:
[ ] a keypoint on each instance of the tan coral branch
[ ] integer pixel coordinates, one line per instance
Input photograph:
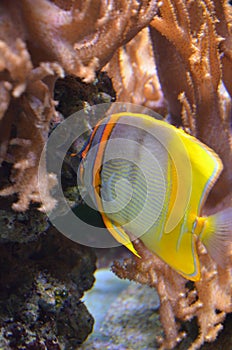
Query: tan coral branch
(38, 42)
(208, 301)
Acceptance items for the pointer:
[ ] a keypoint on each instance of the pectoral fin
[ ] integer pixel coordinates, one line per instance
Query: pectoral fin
(119, 234)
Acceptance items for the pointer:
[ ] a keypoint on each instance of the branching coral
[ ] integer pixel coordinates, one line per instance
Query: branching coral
(38, 42)
(224, 28)
(30, 115)
(83, 36)
(188, 33)
(134, 74)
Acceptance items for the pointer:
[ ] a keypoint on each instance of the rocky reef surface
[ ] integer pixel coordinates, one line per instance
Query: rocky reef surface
(43, 278)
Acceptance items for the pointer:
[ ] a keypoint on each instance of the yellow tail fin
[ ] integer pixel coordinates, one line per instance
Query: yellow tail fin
(217, 236)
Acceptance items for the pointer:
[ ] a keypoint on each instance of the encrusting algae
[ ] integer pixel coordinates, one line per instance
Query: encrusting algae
(185, 73)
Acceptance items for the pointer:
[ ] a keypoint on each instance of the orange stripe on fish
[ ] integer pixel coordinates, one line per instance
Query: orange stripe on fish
(117, 232)
(85, 151)
(99, 157)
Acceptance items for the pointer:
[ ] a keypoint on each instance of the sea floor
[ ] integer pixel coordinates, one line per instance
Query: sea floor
(127, 318)
(124, 313)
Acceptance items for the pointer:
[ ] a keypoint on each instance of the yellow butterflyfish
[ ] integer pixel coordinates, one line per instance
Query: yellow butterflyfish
(150, 179)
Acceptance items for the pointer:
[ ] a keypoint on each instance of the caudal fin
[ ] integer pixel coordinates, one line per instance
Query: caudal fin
(217, 236)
